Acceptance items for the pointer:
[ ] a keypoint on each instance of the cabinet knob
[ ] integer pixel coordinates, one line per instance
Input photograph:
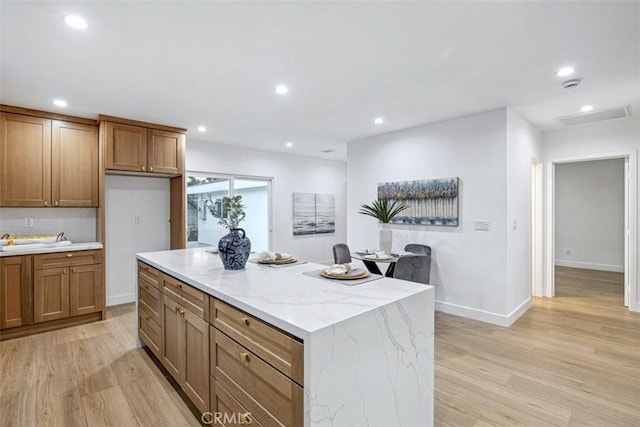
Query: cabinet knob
(64, 271)
(143, 168)
(182, 313)
(69, 255)
(151, 169)
(73, 270)
(244, 356)
(245, 418)
(46, 203)
(246, 321)
(179, 286)
(57, 203)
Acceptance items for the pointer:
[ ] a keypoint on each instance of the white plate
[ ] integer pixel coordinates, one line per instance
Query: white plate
(375, 257)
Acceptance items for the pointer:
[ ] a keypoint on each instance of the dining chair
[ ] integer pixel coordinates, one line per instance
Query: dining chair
(341, 253)
(418, 249)
(414, 268)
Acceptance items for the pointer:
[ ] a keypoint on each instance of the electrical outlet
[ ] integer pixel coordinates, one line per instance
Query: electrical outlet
(137, 219)
(515, 224)
(28, 222)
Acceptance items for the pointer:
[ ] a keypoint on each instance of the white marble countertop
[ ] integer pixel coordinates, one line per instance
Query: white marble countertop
(45, 250)
(284, 297)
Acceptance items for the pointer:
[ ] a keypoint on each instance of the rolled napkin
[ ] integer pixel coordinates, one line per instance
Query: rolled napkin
(339, 269)
(272, 256)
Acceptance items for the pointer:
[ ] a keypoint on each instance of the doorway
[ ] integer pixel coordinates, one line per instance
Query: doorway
(628, 234)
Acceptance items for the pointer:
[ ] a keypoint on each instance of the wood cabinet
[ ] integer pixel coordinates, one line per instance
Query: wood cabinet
(25, 169)
(185, 351)
(185, 338)
(67, 284)
(144, 150)
(16, 293)
(225, 360)
(47, 162)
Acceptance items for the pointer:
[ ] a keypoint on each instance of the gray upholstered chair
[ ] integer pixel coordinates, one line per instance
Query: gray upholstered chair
(415, 268)
(418, 249)
(341, 253)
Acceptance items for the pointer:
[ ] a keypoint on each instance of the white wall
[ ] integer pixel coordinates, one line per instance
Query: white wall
(524, 144)
(78, 224)
(620, 136)
(589, 207)
(126, 198)
(290, 174)
(469, 268)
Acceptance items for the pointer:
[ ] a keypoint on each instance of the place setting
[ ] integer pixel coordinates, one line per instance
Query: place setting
(276, 259)
(347, 274)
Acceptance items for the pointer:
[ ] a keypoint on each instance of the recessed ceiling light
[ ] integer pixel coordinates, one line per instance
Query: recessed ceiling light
(59, 102)
(202, 129)
(289, 144)
(282, 89)
(565, 71)
(378, 120)
(586, 108)
(77, 22)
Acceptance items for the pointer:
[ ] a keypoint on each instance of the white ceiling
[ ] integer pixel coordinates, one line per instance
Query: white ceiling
(188, 63)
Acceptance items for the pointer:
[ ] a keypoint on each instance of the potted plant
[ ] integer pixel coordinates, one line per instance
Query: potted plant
(384, 210)
(234, 248)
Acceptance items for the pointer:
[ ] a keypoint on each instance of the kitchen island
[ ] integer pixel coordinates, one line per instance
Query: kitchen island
(367, 349)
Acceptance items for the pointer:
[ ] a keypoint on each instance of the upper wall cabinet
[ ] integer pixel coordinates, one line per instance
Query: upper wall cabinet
(133, 147)
(47, 162)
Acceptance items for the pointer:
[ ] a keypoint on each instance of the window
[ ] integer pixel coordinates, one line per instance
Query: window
(208, 189)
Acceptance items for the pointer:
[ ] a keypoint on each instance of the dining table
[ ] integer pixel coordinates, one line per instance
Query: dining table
(371, 261)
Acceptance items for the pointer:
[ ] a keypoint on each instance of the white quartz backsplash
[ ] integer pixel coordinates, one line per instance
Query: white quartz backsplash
(78, 224)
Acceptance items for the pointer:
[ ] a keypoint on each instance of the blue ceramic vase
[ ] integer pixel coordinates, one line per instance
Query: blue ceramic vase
(234, 249)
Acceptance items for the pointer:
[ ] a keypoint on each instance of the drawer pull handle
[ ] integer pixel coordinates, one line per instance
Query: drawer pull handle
(246, 321)
(182, 313)
(244, 357)
(69, 255)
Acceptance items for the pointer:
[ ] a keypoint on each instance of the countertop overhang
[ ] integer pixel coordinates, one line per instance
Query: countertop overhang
(46, 250)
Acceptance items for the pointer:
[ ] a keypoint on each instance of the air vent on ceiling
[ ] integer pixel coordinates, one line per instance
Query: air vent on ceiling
(595, 116)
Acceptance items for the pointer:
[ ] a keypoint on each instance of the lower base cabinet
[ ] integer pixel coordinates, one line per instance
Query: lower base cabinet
(16, 292)
(247, 372)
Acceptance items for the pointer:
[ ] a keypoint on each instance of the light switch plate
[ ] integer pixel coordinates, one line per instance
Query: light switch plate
(482, 225)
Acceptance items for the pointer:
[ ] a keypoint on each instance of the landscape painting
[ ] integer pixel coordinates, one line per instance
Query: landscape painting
(313, 213)
(430, 201)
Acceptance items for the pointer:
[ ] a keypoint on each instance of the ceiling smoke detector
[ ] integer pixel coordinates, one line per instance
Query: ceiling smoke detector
(571, 83)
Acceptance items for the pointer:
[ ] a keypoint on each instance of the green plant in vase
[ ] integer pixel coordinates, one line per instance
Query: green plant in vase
(235, 247)
(384, 210)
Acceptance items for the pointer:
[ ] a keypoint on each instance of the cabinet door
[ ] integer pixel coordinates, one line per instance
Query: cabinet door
(85, 289)
(16, 292)
(172, 342)
(74, 168)
(196, 367)
(25, 161)
(126, 147)
(166, 152)
(51, 294)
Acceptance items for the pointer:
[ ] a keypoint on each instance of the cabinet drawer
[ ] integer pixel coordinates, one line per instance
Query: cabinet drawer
(191, 298)
(229, 411)
(66, 259)
(151, 299)
(150, 274)
(149, 330)
(270, 397)
(277, 348)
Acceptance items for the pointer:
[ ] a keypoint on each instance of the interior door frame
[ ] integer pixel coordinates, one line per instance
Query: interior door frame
(631, 221)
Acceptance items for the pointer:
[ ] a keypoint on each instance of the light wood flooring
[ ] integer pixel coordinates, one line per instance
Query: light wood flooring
(570, 360)
(573, 360)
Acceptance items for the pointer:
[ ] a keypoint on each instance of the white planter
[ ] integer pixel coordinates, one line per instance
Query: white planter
(386, 238)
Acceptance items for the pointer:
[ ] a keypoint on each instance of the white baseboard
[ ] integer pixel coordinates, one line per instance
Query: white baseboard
(120, 299)
(590, 266)
(484, 316)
